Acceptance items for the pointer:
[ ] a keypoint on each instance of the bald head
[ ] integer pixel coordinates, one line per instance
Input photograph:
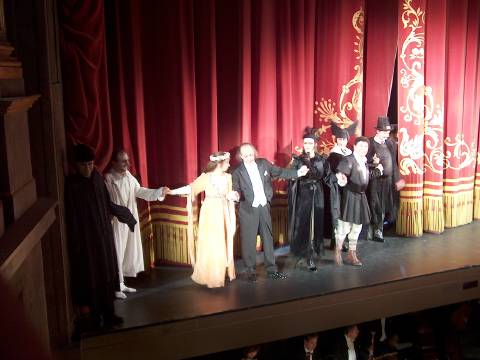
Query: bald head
(247, 153)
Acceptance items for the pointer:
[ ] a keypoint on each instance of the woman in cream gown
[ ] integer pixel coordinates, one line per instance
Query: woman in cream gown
(216, 226)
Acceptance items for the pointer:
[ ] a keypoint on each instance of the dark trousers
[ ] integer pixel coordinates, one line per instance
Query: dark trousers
(381, 200)
(254, 221)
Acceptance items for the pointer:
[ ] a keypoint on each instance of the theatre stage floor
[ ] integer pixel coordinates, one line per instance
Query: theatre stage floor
(172, 317)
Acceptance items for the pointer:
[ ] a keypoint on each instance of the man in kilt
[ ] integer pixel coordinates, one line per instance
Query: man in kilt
(353, 173)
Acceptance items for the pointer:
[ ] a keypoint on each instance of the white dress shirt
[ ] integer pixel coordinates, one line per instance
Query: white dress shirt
(352, 355)
(362, 162)
(344, 151)
(258, 191)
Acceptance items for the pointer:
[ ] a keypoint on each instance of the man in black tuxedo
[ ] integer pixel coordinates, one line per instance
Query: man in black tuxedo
(252, 180)
(346, 347)
(309, 350)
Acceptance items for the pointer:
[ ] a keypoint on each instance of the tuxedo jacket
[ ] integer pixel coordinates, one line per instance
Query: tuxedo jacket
(340, 350)
(301, 355)
(243, 185)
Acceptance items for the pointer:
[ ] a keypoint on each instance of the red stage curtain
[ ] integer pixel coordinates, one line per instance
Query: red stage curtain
(85, 81)
(126, 84)
(433, 212)
(449, 148)
(411, 89)
(339, 66)
(380, 51)
(216, 81)
(470, 114)
(460, 144)
(186, 78)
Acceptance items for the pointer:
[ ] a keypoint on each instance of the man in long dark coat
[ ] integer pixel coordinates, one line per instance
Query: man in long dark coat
(93, 261)
(383, 150)
(306, 203)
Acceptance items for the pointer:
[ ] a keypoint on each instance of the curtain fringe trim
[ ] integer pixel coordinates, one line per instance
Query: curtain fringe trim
(458, 208)
(410, 217)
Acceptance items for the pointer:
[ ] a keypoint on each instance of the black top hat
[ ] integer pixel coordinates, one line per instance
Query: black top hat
(383, 124)
(343, 133)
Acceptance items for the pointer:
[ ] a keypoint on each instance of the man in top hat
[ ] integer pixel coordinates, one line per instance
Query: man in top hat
(383, 150)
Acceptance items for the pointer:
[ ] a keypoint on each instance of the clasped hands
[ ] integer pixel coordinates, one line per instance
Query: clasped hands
(302, 171)
(341, 179)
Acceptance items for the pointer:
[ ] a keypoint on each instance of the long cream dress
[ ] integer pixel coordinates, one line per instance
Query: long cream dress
(216, 227)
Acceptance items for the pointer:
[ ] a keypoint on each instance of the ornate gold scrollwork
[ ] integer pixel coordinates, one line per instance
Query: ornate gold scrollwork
(350, 100)
(420, 108)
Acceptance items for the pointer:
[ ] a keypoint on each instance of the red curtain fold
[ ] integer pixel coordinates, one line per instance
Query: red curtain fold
(411, 105)
(470, 118)
(205, 56)
(126, 84)
(380, 52)
(476, 118)
(84, 72)
(435, 38)
(454, 112)
(338, 84)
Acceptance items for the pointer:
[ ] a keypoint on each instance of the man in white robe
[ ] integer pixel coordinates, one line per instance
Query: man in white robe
(124, 190)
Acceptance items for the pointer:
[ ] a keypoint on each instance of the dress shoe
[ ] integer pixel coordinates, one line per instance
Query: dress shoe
(252, 277)
(311, 266)
(305, 265)
(127, 289)
(275, 275)
(352, 258)
(120, 295)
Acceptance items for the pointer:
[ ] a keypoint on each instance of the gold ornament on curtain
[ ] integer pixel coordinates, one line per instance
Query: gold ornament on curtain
(350, 100)
(411, 78)
(411, 117)
(434, 159)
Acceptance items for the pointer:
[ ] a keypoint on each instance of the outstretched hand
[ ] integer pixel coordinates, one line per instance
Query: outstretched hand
(233, 196)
